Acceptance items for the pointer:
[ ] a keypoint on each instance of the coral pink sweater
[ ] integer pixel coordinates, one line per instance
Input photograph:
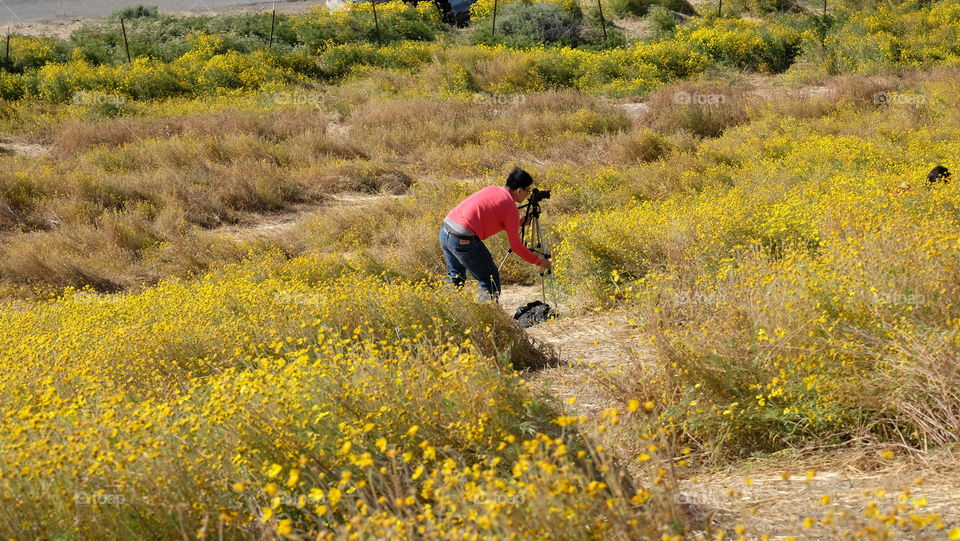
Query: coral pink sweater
(490, 211)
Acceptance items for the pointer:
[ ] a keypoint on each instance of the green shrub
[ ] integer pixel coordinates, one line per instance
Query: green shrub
(164, 37)
(358, 26)
(11, 87)
(663, 22)
(338, 61)
(623, 8)
(746, 44)
(134, 12)
(28, 52)
(761, 7)
(528, 24)
(596, 33)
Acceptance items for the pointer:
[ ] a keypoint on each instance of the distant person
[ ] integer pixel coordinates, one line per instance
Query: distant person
(938, 174)
(482, 215)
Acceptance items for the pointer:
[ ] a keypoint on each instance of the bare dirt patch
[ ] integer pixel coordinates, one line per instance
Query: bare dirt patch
(63, 28)
(590, 345)
(634, 27)
(266, 226)
(290, 7)
(776, 495)
(49, 28)
(23, 149)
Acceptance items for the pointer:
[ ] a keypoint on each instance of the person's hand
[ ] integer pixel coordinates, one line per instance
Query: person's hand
(546, 264)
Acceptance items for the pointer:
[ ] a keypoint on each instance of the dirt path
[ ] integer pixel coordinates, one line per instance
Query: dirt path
(265, 226)
(56, 23)
(22, 149)
(590, 344)
(775, 495)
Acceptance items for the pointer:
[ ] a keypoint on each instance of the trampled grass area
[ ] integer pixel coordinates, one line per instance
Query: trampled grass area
(747, 194)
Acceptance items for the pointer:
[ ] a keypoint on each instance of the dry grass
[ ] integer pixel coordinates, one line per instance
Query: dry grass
(164, 176)
(920, 380)
(75, 136)
(161, 178)
(702, 109)
(644, 145)
(127, 188)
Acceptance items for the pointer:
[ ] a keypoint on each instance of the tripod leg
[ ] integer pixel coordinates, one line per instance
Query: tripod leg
(540, 237)
(543, 281)
(500, 268)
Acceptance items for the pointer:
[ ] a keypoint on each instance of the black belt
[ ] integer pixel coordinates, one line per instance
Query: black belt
(450, 230)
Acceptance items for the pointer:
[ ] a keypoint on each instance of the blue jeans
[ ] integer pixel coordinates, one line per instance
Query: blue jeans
(464, 255)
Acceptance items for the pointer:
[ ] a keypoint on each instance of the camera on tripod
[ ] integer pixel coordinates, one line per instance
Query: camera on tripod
(531, 235)
(531, 223)
(539, 195)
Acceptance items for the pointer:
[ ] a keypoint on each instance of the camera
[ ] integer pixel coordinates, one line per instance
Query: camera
(539, 195)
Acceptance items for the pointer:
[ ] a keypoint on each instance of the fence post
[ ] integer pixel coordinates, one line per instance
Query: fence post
(493, 31)
(273, 22)
(719, 9)
(126, 44)
(603, 22)
(376, 22)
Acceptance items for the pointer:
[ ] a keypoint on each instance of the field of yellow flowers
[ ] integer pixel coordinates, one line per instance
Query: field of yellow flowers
(808, 291)
(265, 400)
(775, 249)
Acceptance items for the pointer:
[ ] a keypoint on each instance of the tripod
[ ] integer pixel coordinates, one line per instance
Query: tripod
(530, 227)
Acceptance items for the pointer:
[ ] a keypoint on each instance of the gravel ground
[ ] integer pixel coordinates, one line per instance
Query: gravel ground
(14, 12)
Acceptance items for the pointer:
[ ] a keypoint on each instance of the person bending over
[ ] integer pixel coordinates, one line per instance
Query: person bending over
(481, 215)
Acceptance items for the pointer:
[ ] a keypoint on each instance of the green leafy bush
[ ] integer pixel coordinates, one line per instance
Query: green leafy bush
(623, 8)
(30, 52)
(165, 37)
(527, 24)
(134, 12)
(663, 22)
(398, 22)
(745, 44)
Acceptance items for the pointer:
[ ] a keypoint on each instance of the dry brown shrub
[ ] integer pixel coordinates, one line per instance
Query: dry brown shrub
(643, 145)
(314, 145)
(404, 126)
(77, 258)
(803, 104)
(75, 136)
(861, 90)
(323, 180)
(702, 109)
(558, 100)
(919, 380)
(505, 71)
(197, 252)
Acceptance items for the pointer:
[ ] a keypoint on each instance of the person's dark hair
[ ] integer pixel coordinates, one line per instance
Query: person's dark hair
(518, 178)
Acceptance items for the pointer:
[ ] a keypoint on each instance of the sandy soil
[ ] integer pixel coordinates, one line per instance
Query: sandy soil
(62, 28)
(23, 149)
